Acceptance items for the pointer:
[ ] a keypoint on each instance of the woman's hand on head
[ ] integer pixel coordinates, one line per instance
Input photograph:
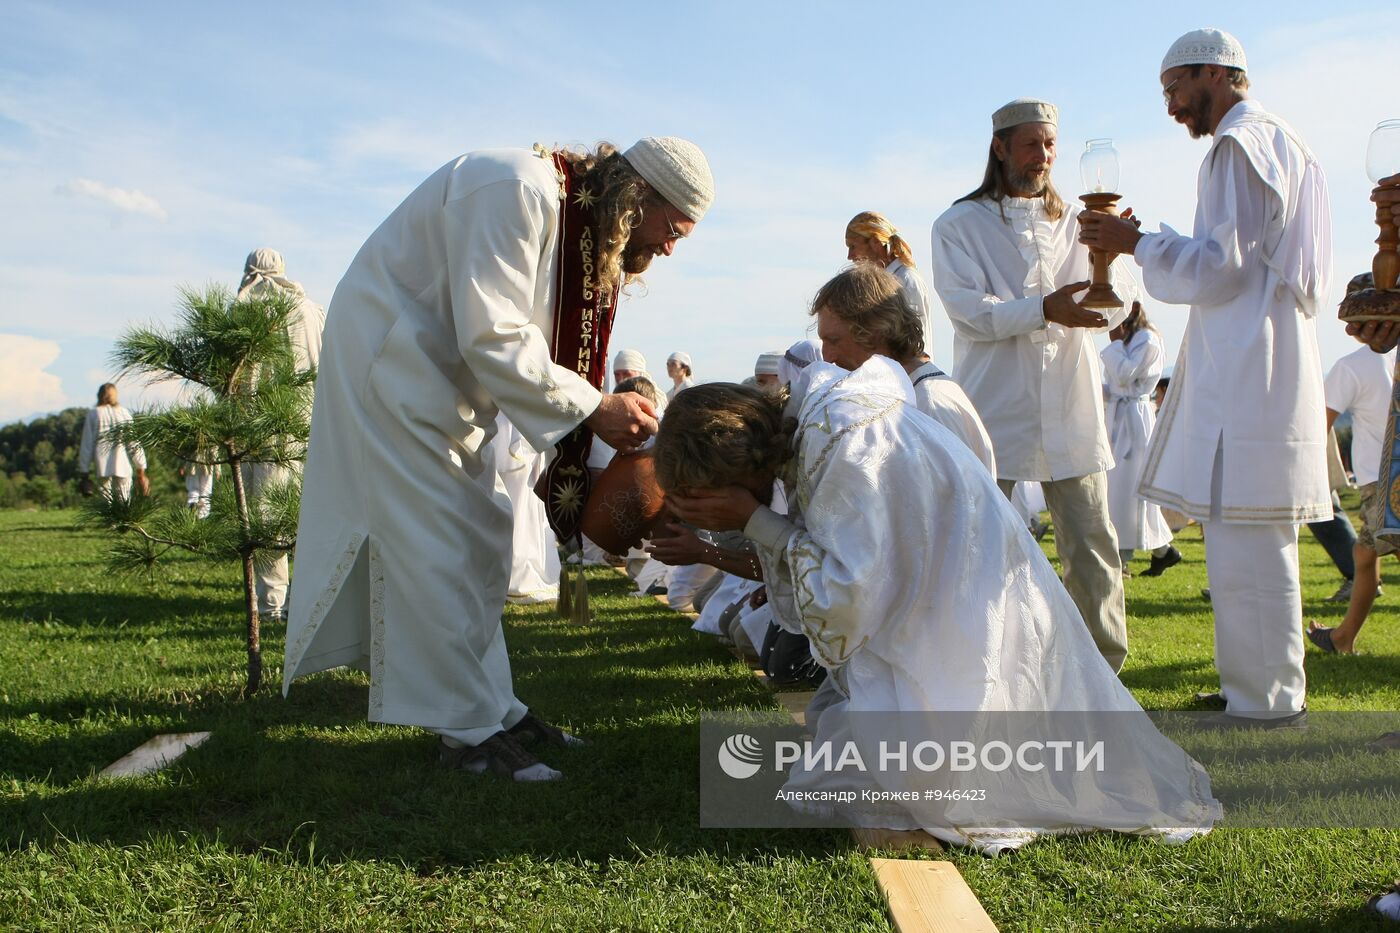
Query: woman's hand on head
(727, 508)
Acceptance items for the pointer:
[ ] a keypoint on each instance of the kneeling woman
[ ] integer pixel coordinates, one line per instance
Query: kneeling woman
(935, 612)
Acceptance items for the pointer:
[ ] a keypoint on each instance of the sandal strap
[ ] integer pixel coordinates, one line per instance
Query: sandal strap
(532, 728)
(502, 754)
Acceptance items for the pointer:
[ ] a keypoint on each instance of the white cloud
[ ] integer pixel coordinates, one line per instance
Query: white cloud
(25, 387)
(129, 200)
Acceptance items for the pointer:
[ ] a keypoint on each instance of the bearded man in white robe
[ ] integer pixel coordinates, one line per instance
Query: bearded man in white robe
(1007, 267)
(1241, 443)
(923, 596)
(447, 316)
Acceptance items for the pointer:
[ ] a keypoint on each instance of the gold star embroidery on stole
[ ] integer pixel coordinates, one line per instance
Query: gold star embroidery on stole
(585, 198)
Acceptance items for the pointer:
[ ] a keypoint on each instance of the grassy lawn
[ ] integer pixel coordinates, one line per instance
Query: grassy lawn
(299, 815)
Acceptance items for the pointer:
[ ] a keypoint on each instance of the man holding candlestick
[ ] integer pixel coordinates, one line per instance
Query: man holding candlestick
(1007, 268)
(1241, 442)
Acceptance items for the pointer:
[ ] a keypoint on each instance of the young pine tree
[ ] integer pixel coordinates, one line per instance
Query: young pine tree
(253, 413)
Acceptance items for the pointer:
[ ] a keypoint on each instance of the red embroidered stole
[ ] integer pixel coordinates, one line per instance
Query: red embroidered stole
(583, 317)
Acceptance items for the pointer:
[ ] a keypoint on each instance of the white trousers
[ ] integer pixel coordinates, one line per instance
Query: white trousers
(271, 578)
(199, 487)
(1258, 604)
(120, 486)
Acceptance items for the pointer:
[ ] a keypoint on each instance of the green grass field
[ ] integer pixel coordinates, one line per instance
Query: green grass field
(297, 814)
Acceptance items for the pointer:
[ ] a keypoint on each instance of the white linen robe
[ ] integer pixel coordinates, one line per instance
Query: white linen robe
(1248, 378)
(942, 399)
(403, 554)
(1130, 374)
(96, 452)
(920, 590)
(534, 554)
(1036, 385)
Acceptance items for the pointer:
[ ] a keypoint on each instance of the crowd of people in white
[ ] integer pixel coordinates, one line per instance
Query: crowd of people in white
(853, 516)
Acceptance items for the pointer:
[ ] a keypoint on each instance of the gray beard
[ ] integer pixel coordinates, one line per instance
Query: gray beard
(1024, 187)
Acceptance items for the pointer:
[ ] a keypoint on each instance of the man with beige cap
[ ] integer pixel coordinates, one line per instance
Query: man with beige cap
(1007, 267)
(1241, 442)
(491, 288)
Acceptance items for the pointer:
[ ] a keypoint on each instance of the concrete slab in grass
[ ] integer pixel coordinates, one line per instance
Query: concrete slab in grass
(153, 755)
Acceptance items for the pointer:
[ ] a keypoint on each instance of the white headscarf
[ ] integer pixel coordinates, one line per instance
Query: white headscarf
(629, 360)
(263, 270)
(797, 358)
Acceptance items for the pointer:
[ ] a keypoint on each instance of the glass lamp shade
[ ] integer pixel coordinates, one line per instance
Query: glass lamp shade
(1383, 151)
(1098, 166)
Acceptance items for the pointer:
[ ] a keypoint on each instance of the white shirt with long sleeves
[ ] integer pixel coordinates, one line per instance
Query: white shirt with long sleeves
(96, 451)
(1131, 371)
(403, 552)
(1035, 384)
(916, 293)
(1248, 379)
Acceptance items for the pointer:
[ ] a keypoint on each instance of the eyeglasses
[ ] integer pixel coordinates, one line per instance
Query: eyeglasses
(1168, 92)
(672, 232)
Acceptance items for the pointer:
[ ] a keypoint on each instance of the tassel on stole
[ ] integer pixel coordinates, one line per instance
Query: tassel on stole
(564, 604)
(581, 613)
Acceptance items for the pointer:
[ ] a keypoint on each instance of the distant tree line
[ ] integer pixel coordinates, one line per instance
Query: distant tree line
(39, 463)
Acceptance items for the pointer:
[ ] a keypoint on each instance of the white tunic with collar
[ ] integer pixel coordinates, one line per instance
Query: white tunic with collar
(1248, 379)
(403, 553)
(1035, 384)
(943, 400)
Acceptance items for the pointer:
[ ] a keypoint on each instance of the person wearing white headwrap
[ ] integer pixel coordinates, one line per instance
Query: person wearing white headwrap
(265, 273)
(679, 368)
(765, 368)
(1007, 268)
(629, 363)
(1241, 441)
(445, 318)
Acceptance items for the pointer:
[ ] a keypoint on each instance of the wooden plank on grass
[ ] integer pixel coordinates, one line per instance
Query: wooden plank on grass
(153, 755)
(929, 897)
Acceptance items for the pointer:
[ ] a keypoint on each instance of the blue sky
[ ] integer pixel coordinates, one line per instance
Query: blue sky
(146, 145)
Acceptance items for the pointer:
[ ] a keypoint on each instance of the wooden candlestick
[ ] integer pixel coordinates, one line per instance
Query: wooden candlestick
(1385, 268)
(1101, 293)
(1381, 303)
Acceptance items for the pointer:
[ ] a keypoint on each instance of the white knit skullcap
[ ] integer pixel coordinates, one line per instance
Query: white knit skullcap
(767, 364)
(677, 169)
(1025, 110)
(1205, 47)
(630, 360)
(679, 357)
